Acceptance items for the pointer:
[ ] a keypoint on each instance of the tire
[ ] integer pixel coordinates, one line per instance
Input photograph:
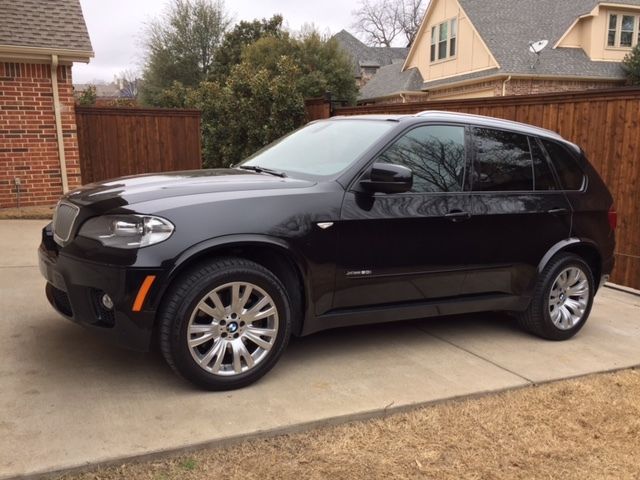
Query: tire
(225, 323)
(548, 313)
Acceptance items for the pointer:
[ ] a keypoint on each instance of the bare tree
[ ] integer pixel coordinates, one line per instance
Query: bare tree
(128, 83)
(410, 18)
(377, 21)
(380, 22)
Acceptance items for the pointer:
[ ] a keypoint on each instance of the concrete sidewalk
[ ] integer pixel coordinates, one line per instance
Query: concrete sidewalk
(67, 399)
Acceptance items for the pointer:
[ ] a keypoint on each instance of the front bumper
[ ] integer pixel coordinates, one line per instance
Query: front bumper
(75, 287)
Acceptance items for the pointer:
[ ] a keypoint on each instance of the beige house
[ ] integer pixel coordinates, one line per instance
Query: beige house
(480, 48)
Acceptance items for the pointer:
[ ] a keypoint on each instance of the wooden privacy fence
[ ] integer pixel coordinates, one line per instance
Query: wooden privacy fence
(606, 124)
(114, 142)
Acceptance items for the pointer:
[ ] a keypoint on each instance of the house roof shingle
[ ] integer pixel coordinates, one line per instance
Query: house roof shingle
(50, 24)
(362, 55)
(508, 26)
(391, 80)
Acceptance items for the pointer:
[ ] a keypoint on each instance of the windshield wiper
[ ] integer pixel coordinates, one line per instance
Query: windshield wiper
(258, 169)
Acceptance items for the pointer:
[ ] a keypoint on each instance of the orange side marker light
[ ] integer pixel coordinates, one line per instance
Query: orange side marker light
(142, 293)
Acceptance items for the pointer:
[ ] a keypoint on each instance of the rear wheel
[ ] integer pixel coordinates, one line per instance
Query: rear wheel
(562, 299)
(225, 324)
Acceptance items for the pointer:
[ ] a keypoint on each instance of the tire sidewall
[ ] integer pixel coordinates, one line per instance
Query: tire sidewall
(569, 261)
(181, 354)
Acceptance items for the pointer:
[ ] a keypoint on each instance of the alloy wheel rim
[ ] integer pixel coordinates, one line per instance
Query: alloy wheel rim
(569, 298)
(232, 329)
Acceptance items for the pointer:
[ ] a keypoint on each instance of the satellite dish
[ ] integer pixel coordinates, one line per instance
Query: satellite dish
(537, 47)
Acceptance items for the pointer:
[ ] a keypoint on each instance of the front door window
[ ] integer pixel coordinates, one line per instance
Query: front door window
(436, 156)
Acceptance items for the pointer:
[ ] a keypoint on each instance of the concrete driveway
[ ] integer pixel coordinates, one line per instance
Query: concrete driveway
(67, 399)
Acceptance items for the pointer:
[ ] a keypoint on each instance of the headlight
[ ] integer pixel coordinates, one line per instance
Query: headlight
(127, 231)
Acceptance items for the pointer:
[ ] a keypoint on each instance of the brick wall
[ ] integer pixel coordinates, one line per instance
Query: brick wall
(443, 93)
(519, 86)
(533, 86)
(28, 142)
(398, 98)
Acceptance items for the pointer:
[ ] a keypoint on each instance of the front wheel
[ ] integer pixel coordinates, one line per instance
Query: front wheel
(225, 324)
(562, 299)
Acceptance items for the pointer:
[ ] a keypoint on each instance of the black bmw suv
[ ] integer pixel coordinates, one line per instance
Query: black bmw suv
(347, 221)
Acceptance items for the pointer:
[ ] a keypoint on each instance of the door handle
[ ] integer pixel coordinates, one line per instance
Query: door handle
(558, 211)
(458, 216)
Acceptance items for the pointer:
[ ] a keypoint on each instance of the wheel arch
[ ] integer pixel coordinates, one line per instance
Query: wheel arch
(272, 253)
(584, 248)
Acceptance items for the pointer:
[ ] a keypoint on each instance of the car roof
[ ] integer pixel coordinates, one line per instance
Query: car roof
(466, 118)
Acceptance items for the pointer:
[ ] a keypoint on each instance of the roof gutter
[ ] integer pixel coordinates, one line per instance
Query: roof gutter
(13, 52)
(58, 119)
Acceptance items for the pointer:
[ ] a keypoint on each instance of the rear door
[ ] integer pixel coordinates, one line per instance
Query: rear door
(518, 211)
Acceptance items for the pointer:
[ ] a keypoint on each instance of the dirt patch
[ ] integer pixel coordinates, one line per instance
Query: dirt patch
(585, 428)
(27, 213)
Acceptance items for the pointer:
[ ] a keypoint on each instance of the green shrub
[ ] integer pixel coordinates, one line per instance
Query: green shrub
(631, 65)
(88, 97)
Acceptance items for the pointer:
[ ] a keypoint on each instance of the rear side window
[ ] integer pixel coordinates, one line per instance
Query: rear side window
(502, 161)
(543, 179)
(570, 173)
(436, 156)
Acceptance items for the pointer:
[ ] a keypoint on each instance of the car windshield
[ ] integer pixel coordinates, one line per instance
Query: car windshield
(321, 149)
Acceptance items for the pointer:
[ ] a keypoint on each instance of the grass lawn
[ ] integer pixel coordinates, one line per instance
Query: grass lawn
(575, 429)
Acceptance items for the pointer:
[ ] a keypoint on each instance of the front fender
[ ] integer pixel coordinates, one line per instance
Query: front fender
(211, 246)
(226, 241)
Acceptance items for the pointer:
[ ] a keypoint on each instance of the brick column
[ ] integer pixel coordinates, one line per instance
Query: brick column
(28, 141)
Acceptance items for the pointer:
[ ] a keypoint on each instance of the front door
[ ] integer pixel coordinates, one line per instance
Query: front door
(399, 248)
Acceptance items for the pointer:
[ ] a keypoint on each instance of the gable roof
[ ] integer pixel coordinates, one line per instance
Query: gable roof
(391, 80)
(508, 26)
(508, 38)
(365, 56)
(47, 25)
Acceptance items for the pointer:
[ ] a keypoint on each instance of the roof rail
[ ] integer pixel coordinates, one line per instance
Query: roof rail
(499, 120)
(425, 112)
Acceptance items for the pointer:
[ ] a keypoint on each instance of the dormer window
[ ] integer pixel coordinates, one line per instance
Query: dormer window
(444, 40)
(624, 30)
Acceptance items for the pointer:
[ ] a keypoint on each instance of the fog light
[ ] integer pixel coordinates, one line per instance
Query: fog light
(107, 302)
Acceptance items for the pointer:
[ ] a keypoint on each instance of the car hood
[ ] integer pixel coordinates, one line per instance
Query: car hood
(143, 188)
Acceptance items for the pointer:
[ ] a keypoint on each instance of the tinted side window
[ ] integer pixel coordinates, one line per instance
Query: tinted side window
(502, 161)
(570, 173)
(435, 155)
(543, 179)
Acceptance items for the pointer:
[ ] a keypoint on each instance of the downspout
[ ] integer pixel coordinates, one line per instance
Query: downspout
(504, 86)
(404, 99)
(58, 116)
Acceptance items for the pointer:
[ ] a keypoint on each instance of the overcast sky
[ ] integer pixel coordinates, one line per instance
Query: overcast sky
(116, 27)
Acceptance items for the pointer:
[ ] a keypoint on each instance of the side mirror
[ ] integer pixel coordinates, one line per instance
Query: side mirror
(387, 178)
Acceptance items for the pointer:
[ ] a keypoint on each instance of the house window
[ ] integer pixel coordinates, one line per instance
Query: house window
(623, 31)
(444, 40)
